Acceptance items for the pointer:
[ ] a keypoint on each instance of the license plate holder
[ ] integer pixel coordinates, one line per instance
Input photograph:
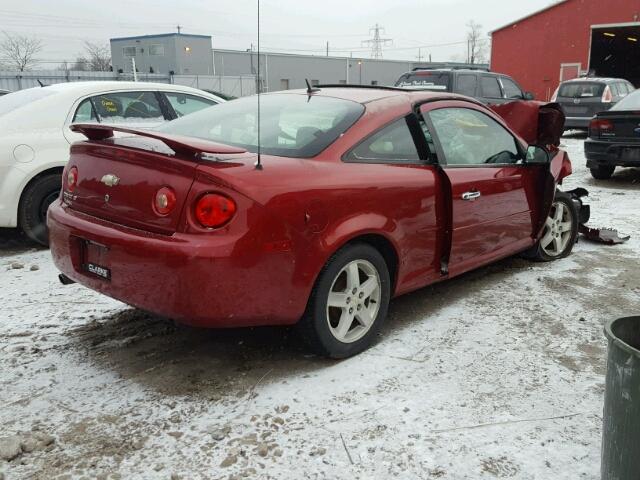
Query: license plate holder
(95, 259)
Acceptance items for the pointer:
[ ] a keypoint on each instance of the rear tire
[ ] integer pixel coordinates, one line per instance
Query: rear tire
(560, 231)
(348, 304)
(35, 201)
(602, 172)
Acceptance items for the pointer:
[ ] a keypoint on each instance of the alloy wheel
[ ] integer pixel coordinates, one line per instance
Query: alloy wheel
(557, 230)
(354, 301)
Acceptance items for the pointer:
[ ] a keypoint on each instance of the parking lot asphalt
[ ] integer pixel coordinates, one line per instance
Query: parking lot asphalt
(496, 374)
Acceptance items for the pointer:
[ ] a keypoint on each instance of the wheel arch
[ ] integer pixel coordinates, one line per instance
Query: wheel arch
(43, 173)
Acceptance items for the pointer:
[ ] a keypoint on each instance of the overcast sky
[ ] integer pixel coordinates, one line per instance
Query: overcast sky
(439, 26)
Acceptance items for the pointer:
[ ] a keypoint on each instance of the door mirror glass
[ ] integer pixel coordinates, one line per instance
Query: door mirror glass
(529, 96)
(536, 154)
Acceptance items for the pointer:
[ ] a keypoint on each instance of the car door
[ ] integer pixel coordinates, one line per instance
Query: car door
(491, 189)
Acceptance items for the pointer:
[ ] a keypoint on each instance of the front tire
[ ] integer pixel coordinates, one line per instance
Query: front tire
(602, 172)
(560, 230)
(35, 201)
(348, 304)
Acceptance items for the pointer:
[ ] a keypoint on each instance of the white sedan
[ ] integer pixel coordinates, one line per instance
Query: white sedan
(35, 139)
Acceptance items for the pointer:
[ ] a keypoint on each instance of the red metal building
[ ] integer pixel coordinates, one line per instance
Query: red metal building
(568, 39)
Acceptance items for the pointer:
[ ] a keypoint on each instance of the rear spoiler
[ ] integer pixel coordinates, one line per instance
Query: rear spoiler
(187, 146)
(538, 123)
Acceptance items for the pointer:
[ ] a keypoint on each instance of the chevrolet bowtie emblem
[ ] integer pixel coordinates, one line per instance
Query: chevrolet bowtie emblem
(110, 180)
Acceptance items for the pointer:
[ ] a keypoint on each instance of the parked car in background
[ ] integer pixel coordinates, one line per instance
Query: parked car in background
(360, 195)
(220, 94)
(488, 87)
(582, 98)
(614, 138)
(35, 136)
(3, 92)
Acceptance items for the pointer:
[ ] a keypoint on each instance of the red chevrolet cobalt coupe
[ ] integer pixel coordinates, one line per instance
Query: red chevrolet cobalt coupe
(359, 195)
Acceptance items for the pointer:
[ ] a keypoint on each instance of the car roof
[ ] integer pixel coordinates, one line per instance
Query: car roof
(366, 94)
(596, 80)
(83, 88)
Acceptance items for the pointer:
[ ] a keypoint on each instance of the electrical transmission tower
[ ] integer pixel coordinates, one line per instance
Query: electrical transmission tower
(377, 42)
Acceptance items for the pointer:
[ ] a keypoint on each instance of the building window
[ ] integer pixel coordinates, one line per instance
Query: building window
(315, 83)
(284, 84)
(157, 50)
(374, 82)
(129, 51)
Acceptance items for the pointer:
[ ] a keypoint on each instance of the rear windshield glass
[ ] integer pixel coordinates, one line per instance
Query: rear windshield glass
(291, 125)
(15, 100)
(426, 80)
(581, 90)
(630, 102)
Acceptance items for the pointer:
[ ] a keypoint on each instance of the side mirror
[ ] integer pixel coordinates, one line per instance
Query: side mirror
(529, 96)
(538, 155)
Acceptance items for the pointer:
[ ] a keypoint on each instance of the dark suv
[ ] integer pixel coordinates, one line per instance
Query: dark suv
(488, 87)
(582, 98)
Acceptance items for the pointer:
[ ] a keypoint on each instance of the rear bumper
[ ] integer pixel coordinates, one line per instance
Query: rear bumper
(577, 122)
(611, 153)
(201, 280)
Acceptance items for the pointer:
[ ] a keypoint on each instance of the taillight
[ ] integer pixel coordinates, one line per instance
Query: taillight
(72, 178)
(213, 210)
(599, 126)
(607, 97)
(165, 201)
(554, 97)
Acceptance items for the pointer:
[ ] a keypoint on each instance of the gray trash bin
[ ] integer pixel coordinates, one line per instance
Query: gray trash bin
(621, 421)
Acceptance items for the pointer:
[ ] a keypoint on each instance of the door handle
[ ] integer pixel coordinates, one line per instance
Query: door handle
(470, 195)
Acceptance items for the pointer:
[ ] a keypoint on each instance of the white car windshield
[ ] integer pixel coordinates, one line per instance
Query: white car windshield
(15, 100)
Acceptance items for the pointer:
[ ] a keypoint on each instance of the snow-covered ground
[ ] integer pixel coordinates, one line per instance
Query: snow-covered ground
(498, 374)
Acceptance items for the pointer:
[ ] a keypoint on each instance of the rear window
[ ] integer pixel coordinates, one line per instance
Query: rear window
(292, 125)
(630, 102)
(8, 103)
(427, 80)
(581, 90)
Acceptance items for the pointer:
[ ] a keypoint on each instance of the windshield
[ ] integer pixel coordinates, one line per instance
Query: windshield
(428, 80)
(15, 100)
(291, 125)
(581, 90)
(630, 102)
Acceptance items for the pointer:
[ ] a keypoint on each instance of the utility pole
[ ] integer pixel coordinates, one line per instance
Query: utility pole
(377, 42)
(179, 27)
(327, 48)
(419, 54)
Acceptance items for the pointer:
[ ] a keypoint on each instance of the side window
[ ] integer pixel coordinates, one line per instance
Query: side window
(85, 113)
(185, 104)
(132, 108)
(511, 90)
(490, 87)
(467, 85)
(392, 143)
(469, 137)
(614, 89)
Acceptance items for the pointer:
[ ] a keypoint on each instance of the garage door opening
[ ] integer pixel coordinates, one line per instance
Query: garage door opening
(615, 52)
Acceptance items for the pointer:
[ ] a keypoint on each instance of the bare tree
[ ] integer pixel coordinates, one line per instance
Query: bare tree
(80, 65)
(98, 57)
(19, 51)
(476, 45)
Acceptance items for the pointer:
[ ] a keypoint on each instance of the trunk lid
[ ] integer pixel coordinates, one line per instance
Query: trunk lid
(118, 178)
(626, 126)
